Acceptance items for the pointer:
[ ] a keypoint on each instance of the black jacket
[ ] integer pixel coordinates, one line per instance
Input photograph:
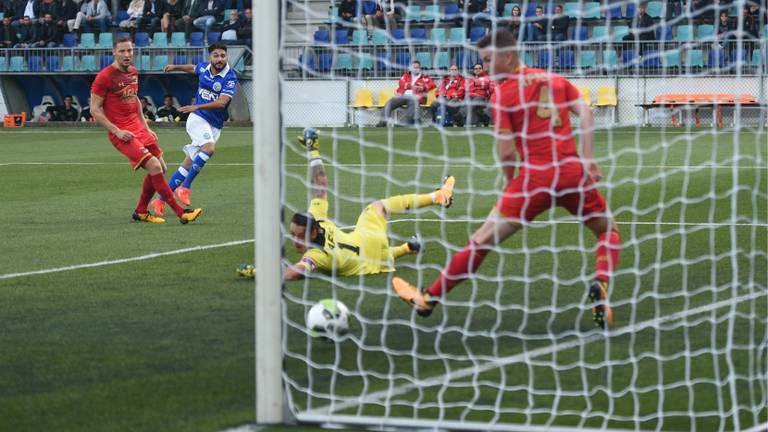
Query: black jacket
(643, 27)
(216, 10)
(160, 7)
(48, 32)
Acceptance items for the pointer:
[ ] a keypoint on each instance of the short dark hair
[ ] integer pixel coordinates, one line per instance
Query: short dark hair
(416, 62)
(144, 98)
(305, 220)
(214, 47)
(121, 39)
(500, 39)
(168, 96)
(66, 96)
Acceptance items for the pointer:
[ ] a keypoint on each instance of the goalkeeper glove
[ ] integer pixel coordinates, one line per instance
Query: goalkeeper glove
(311, 141)
(247, 271)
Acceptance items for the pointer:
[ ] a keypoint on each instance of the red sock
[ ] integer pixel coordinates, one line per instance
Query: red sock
(461, 266)
(162, 188)
(147, 191)
(607, 254)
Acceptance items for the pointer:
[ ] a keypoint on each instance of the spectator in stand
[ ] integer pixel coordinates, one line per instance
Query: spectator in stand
(47, 34)
(211, 12)
(149, 21)
(515, 22)
(189, 12)
(700, 9)
(148, 114)
(85, 113)
(559, 27)
(25, 8)
(67, 14)
(7, 34)
(754, 20)
(185, 115)
(168, 110)
(348, 13)
(172, 12)
(369, 10)
(245, 32)
(65, 112)
(390, 14)
(479, 89)
(48, 7)
(672, 8)
(537, 29)
(230, 27)
(726, 32)
(8, 8)
(95, 13)
(26, 33)
(412, 91)
(475, 13)
(642, 29)
(450, 97)
(135, 11)
(383, 20)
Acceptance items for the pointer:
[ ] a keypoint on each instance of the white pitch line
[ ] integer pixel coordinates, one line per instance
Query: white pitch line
(124, 260)
(517, 358)
(553, 222)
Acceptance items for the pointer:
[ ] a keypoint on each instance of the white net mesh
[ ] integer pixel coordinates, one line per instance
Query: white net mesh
(514, 347)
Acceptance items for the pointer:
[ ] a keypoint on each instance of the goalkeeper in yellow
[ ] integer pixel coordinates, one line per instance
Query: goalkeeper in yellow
(364, 250)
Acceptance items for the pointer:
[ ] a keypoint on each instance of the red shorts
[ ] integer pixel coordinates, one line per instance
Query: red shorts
(533, 192)
(142, 146)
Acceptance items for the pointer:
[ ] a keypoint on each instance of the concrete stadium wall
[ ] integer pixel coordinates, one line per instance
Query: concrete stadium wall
(326, 103)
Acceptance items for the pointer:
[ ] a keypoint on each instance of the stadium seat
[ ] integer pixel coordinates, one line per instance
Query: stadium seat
(141, 39)
(599, 33)
(530, 10)
(196, 59)
(402, 60)
(363, 98)
(580, 33)
(694, 58)
(343, 62)
(670, 59)
(3, 64)
(178, 40)
(476, 33)
(430, 13)
(360, 37)
(341, 37)
(619, 32)
(613, 11)
(591, 10)
(379, 37)
(629, 58)
(706, 32)
(651, 59)
(383, 62)
(35, 63)
(586, 95)
(412, 13)
(437, 36)
(17, 64)
(105, 60)
(324, 62)
(508, 9)
(757, 58)
(105, 40)
(765, 32)
(425, 58)
(606, 96)
(544, 59)
(572, 10)
(333, 15)
(631, 10)
(587, 59)
(196, 39)
(145, 62)
(159, 62)
(684, 33)
(384, 96)
(68, 64)
(457, 35)
(610, 58)
(442, 60)
(398, 35)
(418, 35)
(122, 15)
(715, 58)
(567, 59)
(451, 12)
(528, 58)
(87, 63)
(664, 33)
(120, 35)
(737, 57)
(654, 9)
(160, 40)
(69, 40)
(87, 40)
(365, 62)
(179, 59)
(214, 37)
(464, 60)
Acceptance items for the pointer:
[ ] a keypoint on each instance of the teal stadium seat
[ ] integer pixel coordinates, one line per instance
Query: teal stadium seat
(145, 63)
(442, 60)
(17, 64)
(694, 58)
(425, 58)
(430, 13)
(670, 59)
(333, 15)
(619, 32)
(508, 9)
(343, 62)
(528, 58)
(160, 40)
(105, 40)
(757, 57)
(360, 37)
(87, 40)
(588, 59)
(87, 63)
(159, 62)
(412, 13)
(572, 10)
(592, 10)
(379, 37)
(610, 58)
(68, 64)
(684, 33)
(3, 64)
(437, 36)
(457, 35)
(654, 9)
(706, 32)
(599, 34)
(178, 40)
(365, 62)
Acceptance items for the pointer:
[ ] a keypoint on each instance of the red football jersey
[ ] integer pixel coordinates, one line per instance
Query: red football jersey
(534, 105)
(119, 90)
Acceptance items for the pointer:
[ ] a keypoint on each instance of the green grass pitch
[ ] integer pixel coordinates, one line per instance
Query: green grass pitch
(166, 343)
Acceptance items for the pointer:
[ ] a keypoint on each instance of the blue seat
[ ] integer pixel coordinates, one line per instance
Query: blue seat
(619, 32)
(629, 58)
(736, 59)
(631, 10)
(572, 10)
(614, 11)
(567, 59)
(592, 10)
(610, 59)
(3, 64)
(651, 59)
(464, 60)
(341, 37)
(476, 33)
(403, 60)
(122, 15)
(412, 13)
(451, 12)
(141, 39)
(544, 59)
(382, 62)
(684, 33)
(196, 59)
(214, 37)
(457, 35)
(600, 33)
(664, 33)
(179, 59)
(430, 13)
(654, 9)
(418, 34)
(398, 35)
(87, 40)
(365, 62)
(706, 32)
(69, 40)
(757, 58)
(715, 58)
(35, 64)
(333, 15)
(160, 40)
(17, 64)
(196, 39)
(307, 61)
(105, 60)
(670, 59)
(52, 63)
(579, 33)
(321, 37)
(324, 62)
(530, 10)
(159, 62)
(442, 60)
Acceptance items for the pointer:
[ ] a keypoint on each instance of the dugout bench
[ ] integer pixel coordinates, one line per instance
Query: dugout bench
(696, 102)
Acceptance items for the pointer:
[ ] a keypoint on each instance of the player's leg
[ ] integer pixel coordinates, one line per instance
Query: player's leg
(204, 139)
(155, 170)
(177, 178)
(399, 204)
(413, 246)
(141, 214)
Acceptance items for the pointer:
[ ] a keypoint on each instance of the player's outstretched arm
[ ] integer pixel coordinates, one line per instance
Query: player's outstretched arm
(293, 272)
(187, 68)
(311, 141)
(587, 126)
(218, 104)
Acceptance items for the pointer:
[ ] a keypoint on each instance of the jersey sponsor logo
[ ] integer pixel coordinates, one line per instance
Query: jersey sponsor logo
(208, 95)
(217, 86)
(231, 84)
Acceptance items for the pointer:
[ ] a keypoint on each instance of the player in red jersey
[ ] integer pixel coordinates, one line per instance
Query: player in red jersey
(531, 110)
(115, 105)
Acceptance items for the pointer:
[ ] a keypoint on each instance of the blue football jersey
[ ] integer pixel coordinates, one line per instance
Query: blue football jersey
(210, 87)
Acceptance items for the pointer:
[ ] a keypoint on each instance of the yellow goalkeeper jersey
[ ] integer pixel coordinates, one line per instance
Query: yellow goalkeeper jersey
(364, 250)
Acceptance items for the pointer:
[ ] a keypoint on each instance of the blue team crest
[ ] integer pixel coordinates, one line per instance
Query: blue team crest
(207, 136)
(217, 86)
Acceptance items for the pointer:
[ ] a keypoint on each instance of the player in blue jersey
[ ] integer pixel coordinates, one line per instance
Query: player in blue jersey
(216, 88)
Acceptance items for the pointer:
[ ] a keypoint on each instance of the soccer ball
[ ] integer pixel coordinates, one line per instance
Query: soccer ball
(329, 319)
(309, 133)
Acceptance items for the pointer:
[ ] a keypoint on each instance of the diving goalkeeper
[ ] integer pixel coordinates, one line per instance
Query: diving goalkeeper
(364, 250)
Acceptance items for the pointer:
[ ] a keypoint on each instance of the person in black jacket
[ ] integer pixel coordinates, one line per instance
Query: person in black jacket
(149, 21)
(559, 27)
(26, 33)
(66, 112)
(47, 34)
(7, 33)
(67, 13)
(642, 29)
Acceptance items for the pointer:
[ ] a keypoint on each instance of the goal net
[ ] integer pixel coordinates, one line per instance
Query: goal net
(679, 99)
